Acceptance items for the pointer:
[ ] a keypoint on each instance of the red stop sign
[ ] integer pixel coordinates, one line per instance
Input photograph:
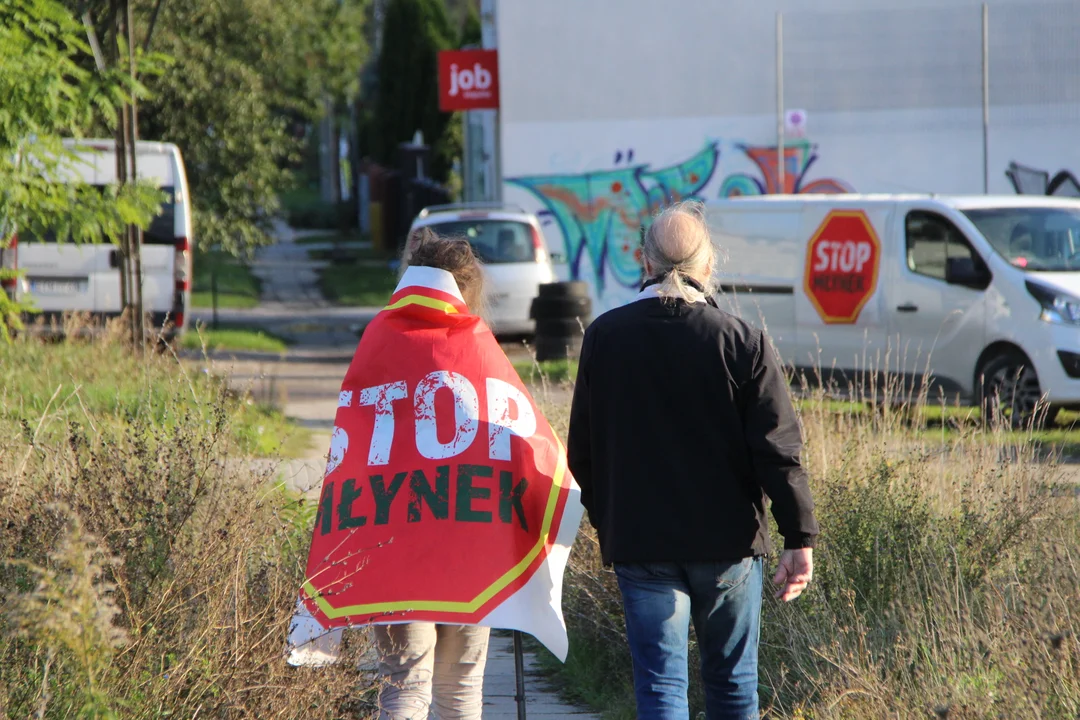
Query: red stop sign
(842, 262)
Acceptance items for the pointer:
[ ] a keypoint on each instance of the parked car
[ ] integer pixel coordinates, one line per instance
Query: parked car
(62, 277)
(982, 293)
(509, 242)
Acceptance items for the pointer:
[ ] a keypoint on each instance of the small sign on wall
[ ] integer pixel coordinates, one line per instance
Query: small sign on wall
(468, 80)
(795, 123)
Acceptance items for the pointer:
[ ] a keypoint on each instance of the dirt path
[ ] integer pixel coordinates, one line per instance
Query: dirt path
(305, 382)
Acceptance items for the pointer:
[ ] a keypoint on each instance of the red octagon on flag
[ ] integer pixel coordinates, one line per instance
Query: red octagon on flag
(842, 262)
(445, 487)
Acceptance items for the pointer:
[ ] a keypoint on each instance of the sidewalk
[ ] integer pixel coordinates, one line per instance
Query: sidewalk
(500, 687)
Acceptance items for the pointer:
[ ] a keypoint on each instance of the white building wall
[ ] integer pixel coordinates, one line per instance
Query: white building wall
(610, 107)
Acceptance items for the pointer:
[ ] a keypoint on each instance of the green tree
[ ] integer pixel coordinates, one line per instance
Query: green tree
(471, 33)
(462, 13)
(48, 94)
(248, 75)
(414, 31)
(248, 72)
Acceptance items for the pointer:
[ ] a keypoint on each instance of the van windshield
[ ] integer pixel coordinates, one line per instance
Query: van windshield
(1032, 238)
(162, 230)
(493, 241)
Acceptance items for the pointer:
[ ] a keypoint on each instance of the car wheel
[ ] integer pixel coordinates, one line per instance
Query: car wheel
(1010, 394)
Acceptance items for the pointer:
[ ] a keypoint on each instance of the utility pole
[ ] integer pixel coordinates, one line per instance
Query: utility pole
(134, 231)
(780, 154)
(492, 132)
(123, 241)
(986, 97)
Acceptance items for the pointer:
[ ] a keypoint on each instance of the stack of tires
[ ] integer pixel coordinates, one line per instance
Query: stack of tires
(561, 311)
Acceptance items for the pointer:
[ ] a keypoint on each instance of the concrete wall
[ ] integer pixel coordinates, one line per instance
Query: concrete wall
(612, 107)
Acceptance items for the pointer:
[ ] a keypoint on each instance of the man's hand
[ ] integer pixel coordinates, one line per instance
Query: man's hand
(794, 574)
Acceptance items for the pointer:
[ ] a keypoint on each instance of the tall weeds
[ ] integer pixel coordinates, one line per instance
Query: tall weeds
(946, 580)
(146, 571)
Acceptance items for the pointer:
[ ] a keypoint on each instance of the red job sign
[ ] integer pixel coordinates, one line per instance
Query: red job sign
(468, 80)
(842, 266)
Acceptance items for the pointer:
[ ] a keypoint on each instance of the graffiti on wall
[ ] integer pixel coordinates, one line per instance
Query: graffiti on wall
(600, 214)
(798, 157)
(1029, 181)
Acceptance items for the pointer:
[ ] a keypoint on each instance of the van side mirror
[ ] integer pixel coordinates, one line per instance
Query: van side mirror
(967, 272)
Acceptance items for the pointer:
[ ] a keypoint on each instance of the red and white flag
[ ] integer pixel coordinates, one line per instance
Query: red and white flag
(446, 496)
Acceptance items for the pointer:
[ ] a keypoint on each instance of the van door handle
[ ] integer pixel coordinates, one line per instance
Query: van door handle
(907, 307)
(114, 259)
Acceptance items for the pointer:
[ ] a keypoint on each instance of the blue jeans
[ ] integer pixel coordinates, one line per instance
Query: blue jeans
(724, 601)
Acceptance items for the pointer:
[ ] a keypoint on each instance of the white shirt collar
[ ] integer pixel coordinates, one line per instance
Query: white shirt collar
(431, 278)
(653, 291)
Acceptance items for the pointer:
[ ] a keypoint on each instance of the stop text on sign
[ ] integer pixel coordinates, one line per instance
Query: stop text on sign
(509, 412)
(478, 489)
(845, 256)
(842, 262)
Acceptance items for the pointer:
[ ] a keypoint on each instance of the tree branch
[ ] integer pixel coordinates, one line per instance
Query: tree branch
(91, 36)
(153, 22)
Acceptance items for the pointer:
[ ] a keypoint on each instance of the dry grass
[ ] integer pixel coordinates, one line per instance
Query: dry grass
(147, 570)
(946, 585)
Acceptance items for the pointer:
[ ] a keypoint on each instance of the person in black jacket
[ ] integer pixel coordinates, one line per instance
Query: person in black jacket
(681, 426)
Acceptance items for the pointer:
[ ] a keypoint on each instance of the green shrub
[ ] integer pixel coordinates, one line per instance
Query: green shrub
(362, 284)
(305, 209)
(234, 337)
(237, 286)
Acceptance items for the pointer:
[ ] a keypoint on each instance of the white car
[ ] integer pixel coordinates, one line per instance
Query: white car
(509, 242)
(63, 277)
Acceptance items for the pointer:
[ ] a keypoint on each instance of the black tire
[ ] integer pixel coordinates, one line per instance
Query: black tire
(572, 289)
(543, 307)
(556, 348)
(560, 327)
(1009, 392)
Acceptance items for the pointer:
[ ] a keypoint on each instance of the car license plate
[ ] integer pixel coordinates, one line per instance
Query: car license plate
(57, 287)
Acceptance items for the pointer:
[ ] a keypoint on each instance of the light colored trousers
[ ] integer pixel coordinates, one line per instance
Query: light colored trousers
(425, 664)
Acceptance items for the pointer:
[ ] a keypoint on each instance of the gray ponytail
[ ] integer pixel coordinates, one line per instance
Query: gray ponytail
(698, 260)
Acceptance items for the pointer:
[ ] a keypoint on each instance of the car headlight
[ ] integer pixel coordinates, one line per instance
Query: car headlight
(1057, 307)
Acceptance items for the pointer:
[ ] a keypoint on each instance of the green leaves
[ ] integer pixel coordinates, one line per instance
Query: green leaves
(49, 94)
(248, 74)
(40, 81)
(413, 34)
(232, 85)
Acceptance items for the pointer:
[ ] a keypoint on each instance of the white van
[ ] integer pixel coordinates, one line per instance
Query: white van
(981, 294)
(62, 277)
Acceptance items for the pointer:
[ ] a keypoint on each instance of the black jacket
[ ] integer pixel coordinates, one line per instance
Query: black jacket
(681, 424)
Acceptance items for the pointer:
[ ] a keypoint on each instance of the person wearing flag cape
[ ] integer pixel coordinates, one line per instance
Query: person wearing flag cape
(446, 508)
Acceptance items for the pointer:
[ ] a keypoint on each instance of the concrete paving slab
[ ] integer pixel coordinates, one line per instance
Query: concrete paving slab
(500, 687)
